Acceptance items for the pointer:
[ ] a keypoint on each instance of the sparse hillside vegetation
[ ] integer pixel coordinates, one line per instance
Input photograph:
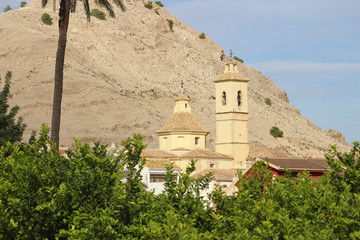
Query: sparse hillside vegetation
(238, 59)
(46, 19)
(7, 8)
(202, 36)
(23, 4)
(159, 3)
(276, 132)
(268, 101)
(149, 5)
(171, 24)
(98, 14)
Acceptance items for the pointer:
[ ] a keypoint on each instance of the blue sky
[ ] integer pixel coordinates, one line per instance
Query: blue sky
(309, 48)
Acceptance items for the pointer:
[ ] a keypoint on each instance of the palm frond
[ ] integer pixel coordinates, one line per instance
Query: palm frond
(120, 4)
(43, 3)
(107, 5)
(73, 5)
(87, 9)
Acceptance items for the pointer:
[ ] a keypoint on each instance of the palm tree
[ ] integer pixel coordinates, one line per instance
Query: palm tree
(67, 6)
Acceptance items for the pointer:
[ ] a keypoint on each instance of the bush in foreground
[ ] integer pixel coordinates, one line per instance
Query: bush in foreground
(91, 194)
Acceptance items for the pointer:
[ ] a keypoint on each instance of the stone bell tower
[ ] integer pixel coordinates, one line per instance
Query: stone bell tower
(232, 115)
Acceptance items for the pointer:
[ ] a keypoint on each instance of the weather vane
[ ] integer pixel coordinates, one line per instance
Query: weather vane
(182, 87)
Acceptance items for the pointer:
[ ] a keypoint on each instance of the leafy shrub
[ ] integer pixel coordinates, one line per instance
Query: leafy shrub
(157, 11)
(7, 8)
(23, 4)
(148, 5)
(98, 14)
(171, 24)
(238, 59)
(47, 19)
(276, 132)
(268, 101)
(159, 3)
(202, 36)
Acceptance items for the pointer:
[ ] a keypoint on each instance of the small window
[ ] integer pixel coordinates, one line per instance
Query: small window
(212, 165)
(185, 105)
(156, 177)
(239, 98)
(224, 186)
(223, 98)
(197, 140)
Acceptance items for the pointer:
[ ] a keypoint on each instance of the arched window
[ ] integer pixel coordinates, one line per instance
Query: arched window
(239, 98)
(223, 98)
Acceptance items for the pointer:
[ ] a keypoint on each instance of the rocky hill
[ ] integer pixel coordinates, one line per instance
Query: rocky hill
(122, 75)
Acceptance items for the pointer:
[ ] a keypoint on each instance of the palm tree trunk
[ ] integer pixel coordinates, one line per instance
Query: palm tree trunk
(64, 15)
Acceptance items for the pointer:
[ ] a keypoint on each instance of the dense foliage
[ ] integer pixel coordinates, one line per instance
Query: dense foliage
(11, 129)
(276, 132)
(23, 4)
(92, 194)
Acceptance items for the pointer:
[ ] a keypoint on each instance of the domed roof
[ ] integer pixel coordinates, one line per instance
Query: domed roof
(182, 121)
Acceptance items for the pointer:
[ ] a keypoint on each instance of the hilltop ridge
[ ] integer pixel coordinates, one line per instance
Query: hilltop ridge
(122, 76)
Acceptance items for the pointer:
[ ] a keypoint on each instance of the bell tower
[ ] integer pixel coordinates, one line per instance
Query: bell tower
(232, 115)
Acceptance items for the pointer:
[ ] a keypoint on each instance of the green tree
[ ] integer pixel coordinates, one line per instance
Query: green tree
(159, 3)
(268, 101)
(202, 36)
(46, 19)
(67, 6)
(23, 4)
(10, 129)
(171, 24)
(276, 132)
(238, 59)
(7, 8)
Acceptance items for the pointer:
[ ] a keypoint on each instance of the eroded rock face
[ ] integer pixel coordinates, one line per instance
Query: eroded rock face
(123, 74)
(334, 134)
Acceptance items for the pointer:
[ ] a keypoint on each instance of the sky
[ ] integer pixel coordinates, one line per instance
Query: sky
(309, 48)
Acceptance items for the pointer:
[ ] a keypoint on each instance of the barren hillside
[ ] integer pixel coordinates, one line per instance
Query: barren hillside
(122, 74)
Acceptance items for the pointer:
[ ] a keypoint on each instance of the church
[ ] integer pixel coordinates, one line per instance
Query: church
(182, 138)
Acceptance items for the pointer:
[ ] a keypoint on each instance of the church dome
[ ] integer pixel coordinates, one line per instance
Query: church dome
(182, 121)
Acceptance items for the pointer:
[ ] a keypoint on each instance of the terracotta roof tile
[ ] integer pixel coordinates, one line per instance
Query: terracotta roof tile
(205, 153)
(319, 164)
(219, 174)
(182, 121)
(159, 164)
(158, 153)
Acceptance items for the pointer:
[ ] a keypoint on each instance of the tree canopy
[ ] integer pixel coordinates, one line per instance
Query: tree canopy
(92, 194)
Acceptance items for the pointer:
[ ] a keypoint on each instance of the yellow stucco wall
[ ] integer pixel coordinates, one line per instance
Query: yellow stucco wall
(231, 119)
